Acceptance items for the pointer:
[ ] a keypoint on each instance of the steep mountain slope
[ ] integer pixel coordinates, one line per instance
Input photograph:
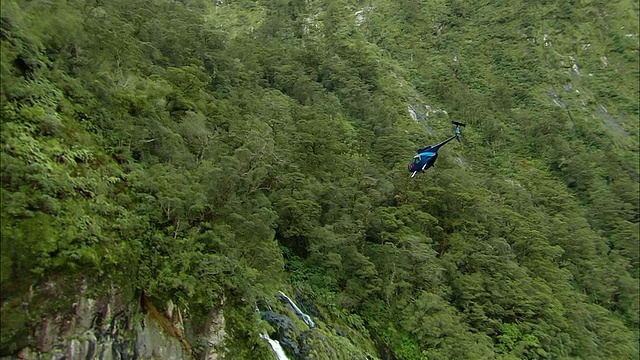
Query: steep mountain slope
(209, 154)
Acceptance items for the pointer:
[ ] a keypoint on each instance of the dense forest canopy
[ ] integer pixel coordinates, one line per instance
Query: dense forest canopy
(203, 150)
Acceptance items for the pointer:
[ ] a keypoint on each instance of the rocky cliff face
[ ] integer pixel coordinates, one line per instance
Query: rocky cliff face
(112, 328)
(122, 325)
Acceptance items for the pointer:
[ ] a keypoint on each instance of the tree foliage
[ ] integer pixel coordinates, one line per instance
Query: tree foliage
(198, 150)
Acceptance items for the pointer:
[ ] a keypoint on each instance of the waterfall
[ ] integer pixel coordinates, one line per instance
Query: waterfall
(306, 318)
(275, 345)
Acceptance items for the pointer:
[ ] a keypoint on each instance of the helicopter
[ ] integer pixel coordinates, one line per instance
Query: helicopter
(427, 156)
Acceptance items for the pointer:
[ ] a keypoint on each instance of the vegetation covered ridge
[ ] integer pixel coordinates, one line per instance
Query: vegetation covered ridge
(212, 153)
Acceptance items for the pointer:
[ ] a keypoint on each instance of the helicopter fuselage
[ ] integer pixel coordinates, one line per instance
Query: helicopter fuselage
(423, 161)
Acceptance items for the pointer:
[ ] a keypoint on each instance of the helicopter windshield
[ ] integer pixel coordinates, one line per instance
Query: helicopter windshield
(416, 159)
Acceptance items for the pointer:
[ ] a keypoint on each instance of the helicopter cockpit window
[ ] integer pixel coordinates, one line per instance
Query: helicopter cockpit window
(416, 159)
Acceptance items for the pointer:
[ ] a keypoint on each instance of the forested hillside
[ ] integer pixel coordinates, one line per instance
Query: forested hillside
(211, 153)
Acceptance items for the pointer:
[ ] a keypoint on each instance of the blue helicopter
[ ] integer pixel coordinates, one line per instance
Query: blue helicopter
(427, 156)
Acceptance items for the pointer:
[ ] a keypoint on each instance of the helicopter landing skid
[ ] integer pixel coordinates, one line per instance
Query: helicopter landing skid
(416, 172)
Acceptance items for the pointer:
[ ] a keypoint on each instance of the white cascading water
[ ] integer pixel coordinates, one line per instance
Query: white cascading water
(277, 348)
(306, 318)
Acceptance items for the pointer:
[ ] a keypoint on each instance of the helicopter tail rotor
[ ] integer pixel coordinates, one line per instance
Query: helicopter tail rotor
(458, 125)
